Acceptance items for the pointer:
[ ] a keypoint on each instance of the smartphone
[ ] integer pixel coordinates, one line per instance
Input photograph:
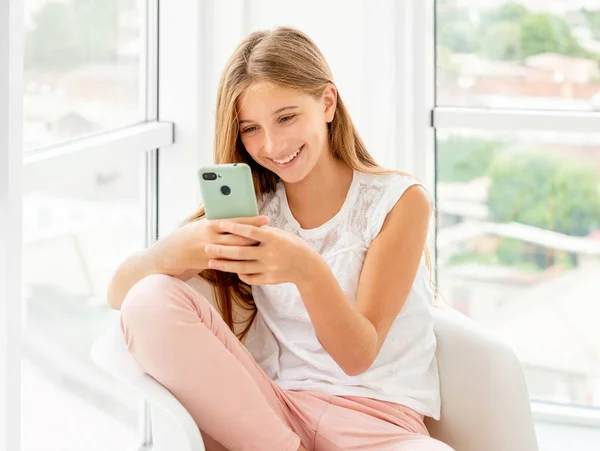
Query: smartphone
(228, 191)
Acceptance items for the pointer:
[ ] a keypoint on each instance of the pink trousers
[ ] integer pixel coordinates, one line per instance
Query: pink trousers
(180, 340)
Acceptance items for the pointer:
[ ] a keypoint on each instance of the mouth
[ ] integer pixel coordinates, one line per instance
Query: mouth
(290, 159)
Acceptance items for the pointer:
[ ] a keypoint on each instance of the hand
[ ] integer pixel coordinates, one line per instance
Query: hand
(280, 257)
(183, 249)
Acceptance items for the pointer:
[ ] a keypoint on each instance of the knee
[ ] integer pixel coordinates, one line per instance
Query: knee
(150, 298)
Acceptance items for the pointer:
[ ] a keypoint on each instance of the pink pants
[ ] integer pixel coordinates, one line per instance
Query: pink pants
(180, 340)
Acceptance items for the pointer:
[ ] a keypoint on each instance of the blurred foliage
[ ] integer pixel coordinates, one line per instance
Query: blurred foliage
(74, 33)
(545, 191)
(511, 32)
(461, 159)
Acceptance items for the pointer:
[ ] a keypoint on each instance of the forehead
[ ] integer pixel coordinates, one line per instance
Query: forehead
(266, 97)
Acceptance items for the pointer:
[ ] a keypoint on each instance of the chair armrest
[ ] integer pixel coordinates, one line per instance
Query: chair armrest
(111, 354)
(485, 403)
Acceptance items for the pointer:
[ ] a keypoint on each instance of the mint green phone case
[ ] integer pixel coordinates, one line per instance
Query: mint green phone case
(230, 194)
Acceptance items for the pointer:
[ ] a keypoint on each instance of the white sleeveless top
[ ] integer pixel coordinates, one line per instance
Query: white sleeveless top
(282, 338)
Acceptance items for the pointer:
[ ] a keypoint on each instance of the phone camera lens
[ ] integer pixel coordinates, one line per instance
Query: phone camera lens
(226, 190)
(209, 176)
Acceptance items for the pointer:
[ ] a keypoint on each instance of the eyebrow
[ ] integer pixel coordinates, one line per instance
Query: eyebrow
(290, 107)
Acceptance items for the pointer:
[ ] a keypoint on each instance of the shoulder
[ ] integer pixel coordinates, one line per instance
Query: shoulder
(382, 193)
(388, 185)
(415, 204)
(389, 179)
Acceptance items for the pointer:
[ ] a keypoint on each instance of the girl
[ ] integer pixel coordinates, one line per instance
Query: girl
(331, 301)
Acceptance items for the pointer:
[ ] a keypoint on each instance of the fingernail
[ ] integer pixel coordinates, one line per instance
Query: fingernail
(209, 248)
(212, 264)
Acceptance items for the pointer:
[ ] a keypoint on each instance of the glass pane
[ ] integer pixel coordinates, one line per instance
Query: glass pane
(83, 213)
(519, 54)
(84, 68)
(519, 249)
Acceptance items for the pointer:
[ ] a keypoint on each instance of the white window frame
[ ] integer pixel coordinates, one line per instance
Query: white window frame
(11, 83)
(516, 120)
(427, 117)
(146, 138)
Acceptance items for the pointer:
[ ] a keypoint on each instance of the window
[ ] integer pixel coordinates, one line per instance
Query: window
(518, 184)
(84, 68)
(78, 225)
(518, 249)
(89, 194)
(519, 54)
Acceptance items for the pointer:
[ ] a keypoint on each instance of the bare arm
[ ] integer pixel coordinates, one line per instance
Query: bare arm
(180, 254)
(133, 269)
(354, 334)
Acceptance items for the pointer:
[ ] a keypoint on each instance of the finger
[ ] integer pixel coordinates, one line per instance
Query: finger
(257, 221)
(228, 239)
(239, 267)
(232, 252)
(245, 230)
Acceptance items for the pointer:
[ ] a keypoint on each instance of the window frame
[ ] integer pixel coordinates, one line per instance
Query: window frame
(516, 120)
(11, 86)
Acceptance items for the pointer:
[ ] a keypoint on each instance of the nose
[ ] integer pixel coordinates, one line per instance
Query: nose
(270, 143)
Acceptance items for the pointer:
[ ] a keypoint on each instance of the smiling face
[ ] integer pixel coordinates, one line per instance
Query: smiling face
(285, 130)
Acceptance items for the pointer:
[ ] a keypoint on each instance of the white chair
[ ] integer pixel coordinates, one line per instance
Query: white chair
(485, 404)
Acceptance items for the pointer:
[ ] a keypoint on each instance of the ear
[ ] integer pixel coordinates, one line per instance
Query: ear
(330, 102)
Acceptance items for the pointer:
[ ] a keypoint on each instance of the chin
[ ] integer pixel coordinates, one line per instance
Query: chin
(292, 177)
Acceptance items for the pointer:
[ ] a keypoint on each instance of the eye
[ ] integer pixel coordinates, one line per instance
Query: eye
(287, 118)
(249, 129)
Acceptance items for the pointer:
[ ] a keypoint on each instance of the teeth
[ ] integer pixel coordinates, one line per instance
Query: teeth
(288, 159)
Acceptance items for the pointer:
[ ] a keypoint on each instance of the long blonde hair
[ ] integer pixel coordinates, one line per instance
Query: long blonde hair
(288, 58)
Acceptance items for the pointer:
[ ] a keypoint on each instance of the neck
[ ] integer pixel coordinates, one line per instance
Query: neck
(321, 194)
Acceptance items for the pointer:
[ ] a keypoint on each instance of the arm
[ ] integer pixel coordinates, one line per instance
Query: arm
(135, 268)
(180, 254)
(354, 334)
